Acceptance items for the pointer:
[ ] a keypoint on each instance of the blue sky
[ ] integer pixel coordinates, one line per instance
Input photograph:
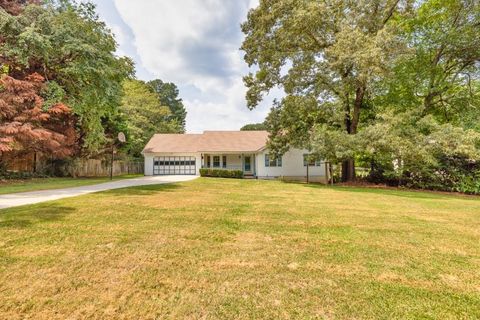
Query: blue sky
(195, 44)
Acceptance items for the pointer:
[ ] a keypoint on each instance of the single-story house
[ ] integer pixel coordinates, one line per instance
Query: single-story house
(185, 154)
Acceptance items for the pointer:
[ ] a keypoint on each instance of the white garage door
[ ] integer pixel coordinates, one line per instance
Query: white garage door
(174, 165)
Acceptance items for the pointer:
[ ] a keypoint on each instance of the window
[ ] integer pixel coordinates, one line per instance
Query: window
(224, 161)
(272, 162)
(216, 161)
(208, 161)
(312, 161)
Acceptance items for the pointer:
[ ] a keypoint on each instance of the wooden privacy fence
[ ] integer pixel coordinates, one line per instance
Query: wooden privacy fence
(100, 168)
(76, 168)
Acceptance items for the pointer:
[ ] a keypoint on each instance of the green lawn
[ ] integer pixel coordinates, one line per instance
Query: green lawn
(242, 249)
(53, 183)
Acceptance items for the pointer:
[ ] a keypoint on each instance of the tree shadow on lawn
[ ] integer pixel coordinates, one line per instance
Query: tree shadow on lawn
(144, 190)
(27, 216)
(405, 193)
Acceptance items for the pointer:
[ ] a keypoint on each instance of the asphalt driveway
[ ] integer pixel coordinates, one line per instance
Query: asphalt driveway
(24, 198)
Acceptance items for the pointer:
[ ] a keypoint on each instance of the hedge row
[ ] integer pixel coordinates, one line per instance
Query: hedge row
(219, 173)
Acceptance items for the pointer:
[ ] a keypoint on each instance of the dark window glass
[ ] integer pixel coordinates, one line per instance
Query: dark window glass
(216, 161)
(313, 161)
(272, 162)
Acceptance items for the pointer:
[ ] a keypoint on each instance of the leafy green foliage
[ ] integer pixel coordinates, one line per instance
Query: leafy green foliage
(254, 127)
(74, 51)
(391, 84)
(144, 115)
(220, 173)
(331, 53)
(420, 152)
(168, 96)
(440, 75)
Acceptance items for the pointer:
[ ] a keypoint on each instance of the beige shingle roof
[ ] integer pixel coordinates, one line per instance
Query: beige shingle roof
(209, 141)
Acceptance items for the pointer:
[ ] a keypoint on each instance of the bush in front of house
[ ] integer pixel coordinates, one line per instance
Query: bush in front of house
(220, 173)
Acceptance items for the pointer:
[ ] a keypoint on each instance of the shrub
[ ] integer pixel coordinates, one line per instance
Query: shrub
(14, 175)
(220, 173)
(448, 174)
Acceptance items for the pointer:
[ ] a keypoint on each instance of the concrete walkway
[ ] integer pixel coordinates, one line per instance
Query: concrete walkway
(20, 199)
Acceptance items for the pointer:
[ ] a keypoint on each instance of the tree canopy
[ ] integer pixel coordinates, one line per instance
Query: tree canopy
(144, 115)
(356, 73)
(332, 51)
(74, 52)
(167, 93)
(254, 127)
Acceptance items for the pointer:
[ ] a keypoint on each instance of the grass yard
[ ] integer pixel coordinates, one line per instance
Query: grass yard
(37, 184)
(242, 249)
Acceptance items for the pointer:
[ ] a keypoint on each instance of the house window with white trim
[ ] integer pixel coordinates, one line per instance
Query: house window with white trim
(224, 162)
(312, 160)
(273, 161)
(216, 161)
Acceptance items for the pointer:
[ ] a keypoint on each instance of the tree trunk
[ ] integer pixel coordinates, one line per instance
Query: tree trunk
(34, 162)
(348, 170)
(351, 124)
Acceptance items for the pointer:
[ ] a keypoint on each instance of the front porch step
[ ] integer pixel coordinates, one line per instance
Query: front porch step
(249, 176)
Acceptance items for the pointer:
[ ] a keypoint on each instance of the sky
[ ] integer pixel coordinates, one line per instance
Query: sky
(194, 44)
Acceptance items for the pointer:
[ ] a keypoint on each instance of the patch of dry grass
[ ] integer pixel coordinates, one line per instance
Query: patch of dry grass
(237, 249)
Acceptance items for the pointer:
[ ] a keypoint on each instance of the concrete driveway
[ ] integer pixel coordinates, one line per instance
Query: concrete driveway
(24, 198)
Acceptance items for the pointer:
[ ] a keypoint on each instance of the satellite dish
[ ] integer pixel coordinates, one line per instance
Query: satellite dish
(121, 137)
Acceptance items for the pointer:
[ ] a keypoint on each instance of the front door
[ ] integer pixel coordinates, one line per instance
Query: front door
(248, 164)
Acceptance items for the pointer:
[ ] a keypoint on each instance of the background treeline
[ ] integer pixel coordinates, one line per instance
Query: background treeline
(388, 85)
(65, 94)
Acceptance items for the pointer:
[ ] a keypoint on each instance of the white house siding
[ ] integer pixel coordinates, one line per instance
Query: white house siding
(234, 161)
(292, 168)
(292, 165)
(149, 160)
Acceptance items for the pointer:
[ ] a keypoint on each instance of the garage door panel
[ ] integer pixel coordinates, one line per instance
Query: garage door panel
(174, 165)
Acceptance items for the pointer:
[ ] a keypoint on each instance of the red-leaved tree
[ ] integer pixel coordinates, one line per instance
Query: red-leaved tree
(14, 7)
(27, 125)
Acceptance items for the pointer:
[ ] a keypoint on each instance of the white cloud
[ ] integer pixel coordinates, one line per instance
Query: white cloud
(228, 114)
(178, 39)
(195, 43)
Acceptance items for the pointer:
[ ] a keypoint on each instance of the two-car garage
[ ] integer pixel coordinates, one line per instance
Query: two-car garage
(174, 165)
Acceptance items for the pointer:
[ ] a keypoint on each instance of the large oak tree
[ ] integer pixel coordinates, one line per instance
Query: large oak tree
(326, 55)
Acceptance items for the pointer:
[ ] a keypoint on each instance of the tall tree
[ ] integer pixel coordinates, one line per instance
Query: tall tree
(168, 96)
(144, 115)
(326, 55)
(442, 77)
(75, 53)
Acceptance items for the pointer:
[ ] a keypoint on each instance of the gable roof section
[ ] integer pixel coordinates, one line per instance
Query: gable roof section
(209, 141)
